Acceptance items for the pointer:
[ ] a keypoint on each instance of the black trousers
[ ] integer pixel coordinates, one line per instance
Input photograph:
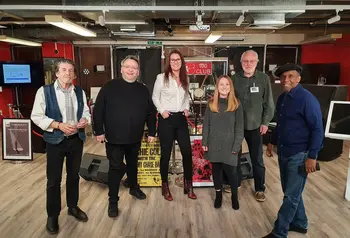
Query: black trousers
(230, 172)
(72, 150)
(170, 129)
(254, 141)
(117, 168)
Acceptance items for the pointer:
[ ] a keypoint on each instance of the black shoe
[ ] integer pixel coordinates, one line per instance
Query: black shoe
(113, 209)
(137, 192)
(270, 236)
(297, 229)
(52, 225)
(78, 214)
(218, 199)
(235, 203)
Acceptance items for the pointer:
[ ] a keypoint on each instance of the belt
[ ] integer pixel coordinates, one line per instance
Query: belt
(71, 136)
(174, 113)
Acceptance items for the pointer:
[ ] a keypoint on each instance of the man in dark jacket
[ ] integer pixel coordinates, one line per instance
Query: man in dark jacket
(298, 136)
(122, 107)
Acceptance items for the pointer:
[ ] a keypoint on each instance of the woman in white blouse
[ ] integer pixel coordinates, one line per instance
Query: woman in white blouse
(171, 97)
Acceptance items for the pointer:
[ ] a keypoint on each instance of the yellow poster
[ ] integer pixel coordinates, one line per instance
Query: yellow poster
(148, 164)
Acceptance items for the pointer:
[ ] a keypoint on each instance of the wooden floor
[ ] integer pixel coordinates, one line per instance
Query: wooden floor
(23, 214)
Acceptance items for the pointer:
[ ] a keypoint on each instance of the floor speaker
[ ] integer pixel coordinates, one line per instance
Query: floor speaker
(246, 166)
(94, 168)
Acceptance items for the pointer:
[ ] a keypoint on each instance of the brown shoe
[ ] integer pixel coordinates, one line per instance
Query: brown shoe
(227, 189)
(260, 196)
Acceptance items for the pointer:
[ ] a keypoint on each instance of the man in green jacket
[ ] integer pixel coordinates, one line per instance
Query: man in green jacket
(253, 89)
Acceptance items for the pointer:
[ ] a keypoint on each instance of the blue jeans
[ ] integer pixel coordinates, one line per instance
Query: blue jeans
(292, 211)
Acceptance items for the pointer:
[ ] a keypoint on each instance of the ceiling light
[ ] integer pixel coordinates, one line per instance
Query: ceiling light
(334, 19)
(240, 20)
(59, 21)
(269, 22)
(128, 28)
(5, 38)
(101, 20)
(125, 22)
(214, 36)
(2, 27)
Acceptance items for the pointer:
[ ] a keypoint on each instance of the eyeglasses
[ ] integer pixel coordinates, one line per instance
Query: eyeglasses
(249, 61)
(175, 60)
(130, 67)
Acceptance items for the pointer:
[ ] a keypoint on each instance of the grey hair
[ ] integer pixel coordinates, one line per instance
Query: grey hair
(250, 51)
(63, 61)
(130, 57)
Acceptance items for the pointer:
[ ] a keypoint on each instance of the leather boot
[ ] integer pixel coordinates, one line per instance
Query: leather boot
(235, 203)
(188, 189)
(218, 199)
(166, 192)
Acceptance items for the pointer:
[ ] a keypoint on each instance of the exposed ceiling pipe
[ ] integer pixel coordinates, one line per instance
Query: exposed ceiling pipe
(176, 8)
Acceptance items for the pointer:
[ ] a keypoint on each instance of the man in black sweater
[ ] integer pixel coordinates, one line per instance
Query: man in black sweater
(122, 107)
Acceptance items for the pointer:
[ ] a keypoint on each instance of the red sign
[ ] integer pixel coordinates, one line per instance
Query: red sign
(199, 68)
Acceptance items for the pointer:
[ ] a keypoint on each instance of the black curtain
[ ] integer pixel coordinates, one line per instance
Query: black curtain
(150, 63)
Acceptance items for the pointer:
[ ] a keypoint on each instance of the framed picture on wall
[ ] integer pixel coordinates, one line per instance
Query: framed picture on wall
(16, 139)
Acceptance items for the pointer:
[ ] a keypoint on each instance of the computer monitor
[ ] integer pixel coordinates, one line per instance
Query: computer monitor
(338, 121)
(22, 74)
(16, 73)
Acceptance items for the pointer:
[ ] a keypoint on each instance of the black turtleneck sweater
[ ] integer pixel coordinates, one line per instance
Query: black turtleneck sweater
(121, 111)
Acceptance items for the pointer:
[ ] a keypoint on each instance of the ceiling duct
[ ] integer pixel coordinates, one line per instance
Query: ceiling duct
(322, 39)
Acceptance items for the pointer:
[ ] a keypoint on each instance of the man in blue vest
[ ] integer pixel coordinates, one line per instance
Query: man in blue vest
(61, 110)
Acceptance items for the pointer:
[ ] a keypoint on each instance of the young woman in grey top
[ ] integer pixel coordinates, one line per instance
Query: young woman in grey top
(222, 137)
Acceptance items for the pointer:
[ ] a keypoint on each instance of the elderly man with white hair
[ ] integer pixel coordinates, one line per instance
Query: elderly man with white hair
(253, 89)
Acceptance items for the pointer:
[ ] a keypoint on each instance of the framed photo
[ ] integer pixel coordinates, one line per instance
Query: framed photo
(16, 139)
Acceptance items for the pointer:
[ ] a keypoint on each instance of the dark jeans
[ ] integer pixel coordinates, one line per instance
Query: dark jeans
(72, 149)
(117, 168)
(254, 141)
(230, 172)
(292, 210)
(174, 128)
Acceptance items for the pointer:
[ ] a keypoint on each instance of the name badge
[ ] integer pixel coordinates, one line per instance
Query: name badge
(254, 89)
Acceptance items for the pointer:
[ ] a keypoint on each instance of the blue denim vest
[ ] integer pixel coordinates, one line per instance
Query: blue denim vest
(53, 111)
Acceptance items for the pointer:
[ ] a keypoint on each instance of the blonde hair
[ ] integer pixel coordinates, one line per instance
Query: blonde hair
(233, 102)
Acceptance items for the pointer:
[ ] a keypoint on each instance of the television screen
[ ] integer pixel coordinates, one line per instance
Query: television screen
(338, 121)
(22, 73)
(16, 73)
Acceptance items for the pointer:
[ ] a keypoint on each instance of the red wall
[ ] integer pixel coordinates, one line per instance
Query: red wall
(338, 52)
(65, 50)
(6, 94)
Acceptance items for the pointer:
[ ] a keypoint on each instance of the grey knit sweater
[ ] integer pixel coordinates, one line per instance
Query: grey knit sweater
(223, 134)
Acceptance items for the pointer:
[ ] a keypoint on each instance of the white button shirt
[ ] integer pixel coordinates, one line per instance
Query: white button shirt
(38, 113)
(172, 98)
